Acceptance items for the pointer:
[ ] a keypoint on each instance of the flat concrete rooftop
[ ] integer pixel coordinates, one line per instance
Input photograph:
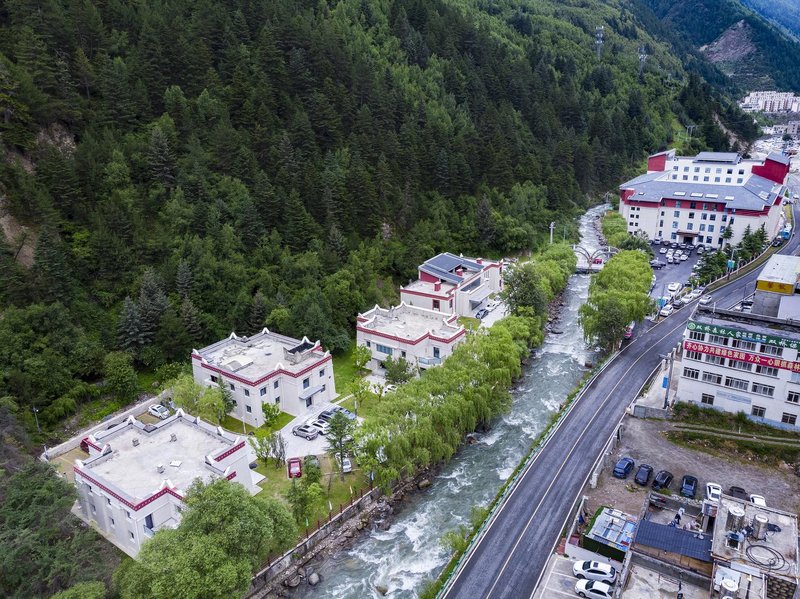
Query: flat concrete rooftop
(428, 287)
(409, 322)
(134, 469)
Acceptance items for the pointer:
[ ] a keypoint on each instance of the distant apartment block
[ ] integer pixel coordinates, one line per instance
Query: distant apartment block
(295, 374)
(422, 337)
(134, 480)
(792, 128)
(771, 101)
(453, 284)
(696, 199)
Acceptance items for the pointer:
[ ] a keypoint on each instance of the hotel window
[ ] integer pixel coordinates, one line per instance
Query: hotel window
(739, 365)
(724, 218)
(435, 304)
(763, 389)
(247, 392)
(718, 171)
(322, 372)
(703, 216)
(707, 399)
(132, 537)
(689, 226)
(694, 178)
(677, 203)
(727, 179)
(127, 514)
(661, 223)
(741, 171)
(232, 386)
(710, 377)
(686, 177)
(685, 169)
(705, 179)
(771, 350)
(710, 228)
(793, 397)
(249, 409)
(263, 391)
(767, 370)
(716, 179)
(691, 215)
(702, 226)
(214, 379)
(739, 181)
(729, 171)
(676, 214)
(275, 385)
(697, 336)
(691, 373)
(788, 418)
(733, 383)
(369, 344)
(712, 217)
(403, 354)
(697, 169)
(674, 224)
(717, 340)
(306, 383)
(278, 400)
(742, 344)
(716, 360)
(694, 355)
(758, 411)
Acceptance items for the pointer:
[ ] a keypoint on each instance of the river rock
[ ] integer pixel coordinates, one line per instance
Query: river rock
(424, 484)
(382, 589)
(301, 572)
(313, 580)
(294, 582)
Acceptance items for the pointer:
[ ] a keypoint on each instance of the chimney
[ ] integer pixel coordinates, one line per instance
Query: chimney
(437, 286)
(460, 271)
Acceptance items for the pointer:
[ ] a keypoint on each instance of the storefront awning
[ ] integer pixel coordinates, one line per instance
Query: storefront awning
(479, 296)
(310, 392)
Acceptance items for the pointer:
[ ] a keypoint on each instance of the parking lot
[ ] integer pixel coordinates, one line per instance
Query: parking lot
(643, 440)
(679, 272)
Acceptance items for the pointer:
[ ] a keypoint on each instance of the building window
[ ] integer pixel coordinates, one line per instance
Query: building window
(763, 389)
(705, 179)
(707, 399)
(727, 179)
(767, 370)
(275, 384)
(691, 373)
(739, 365)
(697, 336)
(739, 181)
(741, 171)
(704, 216)
(788, 418)
(694, 178)
(383, 349)
(436, 302)
(712, 217)
(674, 225)
(771, 350)
(132, 537)
(716, 360)
(323, 389)
(676, 214)
(306, 383)
(249, 409)
(232, 386)
(685, 169)
(94, 511)
(113, 523)
(214, 379)
(716, 179)
(717, 340)
(693, 355)
(247, 392)
(702, 226)
(689, 226)
(713, 378)
(793, 397)
(127, 514)
(710, 229)
(262, 391)
(403, 354)
(691, 214)
(369, 344)
(108, 500)
(277, 400)
(729, 171)
(235, 403)
(742, 344)
(758, 411)
(435, 352)
(661, 224)
(733, 383)
(322, 372)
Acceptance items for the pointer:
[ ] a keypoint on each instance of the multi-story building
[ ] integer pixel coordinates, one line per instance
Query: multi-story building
(745, 359)
(697, 199)
(134, 480)
(422, 337)
(453, 284)
(267, 368)
(771, 101)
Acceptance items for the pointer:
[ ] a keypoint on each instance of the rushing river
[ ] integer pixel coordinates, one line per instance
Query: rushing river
(402, 558)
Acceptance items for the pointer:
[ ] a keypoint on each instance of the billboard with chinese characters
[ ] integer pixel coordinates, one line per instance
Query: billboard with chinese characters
(743, 356)
(735, 333)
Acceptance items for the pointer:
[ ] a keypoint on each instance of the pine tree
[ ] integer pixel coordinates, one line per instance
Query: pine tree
(184, 279)
(190, 316)
(161, 158)
(50, 267)
(129, 327)
(257, 318)
(152, 304)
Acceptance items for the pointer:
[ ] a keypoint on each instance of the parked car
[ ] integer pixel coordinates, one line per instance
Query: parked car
(595, 571)
(670, 259)
(321, 425)
(643, 474)
(346, 464)
(623, 468)
(663, 250)
(656, 264)
(713, 491)
(667, 310)
(481, 314)
(693, 295)
(346, 412)
(689, 486)
(629, 330)
(306, 431)
(492, 305)
(673, 245)
(758, 500)
(705, 300)
(674, 287)
(326, 415)
(594, 588)
(678, 302)
(158, 411)
(701, 249)
(684, 257)
(738, 493)
(662, 480)
(777, 242)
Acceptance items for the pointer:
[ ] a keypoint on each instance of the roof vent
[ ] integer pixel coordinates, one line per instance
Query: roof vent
(160, 468)
(135, 442)
(173, 437)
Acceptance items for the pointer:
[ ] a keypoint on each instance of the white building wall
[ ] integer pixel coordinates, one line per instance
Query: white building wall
(411, 352)
(685, 169)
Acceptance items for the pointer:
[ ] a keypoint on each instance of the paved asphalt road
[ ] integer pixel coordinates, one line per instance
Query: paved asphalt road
(510, 557)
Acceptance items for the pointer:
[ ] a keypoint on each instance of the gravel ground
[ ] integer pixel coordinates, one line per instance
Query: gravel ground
(643, 441)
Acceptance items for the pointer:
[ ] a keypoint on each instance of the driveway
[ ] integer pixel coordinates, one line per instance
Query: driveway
(299, 446)
(492, 317)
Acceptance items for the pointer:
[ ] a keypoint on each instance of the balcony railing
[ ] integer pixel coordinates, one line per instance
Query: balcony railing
(430, 361)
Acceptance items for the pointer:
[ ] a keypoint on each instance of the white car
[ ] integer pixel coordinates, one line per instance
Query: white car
(595, 571)
(663, 250)
(347, 464)
(674, 287)
(158, 411)
(492, 305)
(667, 310)
(705, 300)
(758, 500)
(594, 588)
(320, 425)
(684, 257)
(693, 295)
(713, 491)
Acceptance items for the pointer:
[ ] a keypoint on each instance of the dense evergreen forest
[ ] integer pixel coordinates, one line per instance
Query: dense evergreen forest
(786, 13)
(176, 170)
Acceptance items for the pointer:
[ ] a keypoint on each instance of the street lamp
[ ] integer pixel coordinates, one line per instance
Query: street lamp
(35, 417)
(671, 359)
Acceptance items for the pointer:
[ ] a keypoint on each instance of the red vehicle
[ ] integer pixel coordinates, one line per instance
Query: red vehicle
(294, 467)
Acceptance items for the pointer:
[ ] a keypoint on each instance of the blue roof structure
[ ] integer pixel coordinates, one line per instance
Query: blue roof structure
(444, 266)
(755, 194)
(726, 157)
(779, 157)
(674, 540)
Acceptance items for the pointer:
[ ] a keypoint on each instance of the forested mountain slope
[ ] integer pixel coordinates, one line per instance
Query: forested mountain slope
(786, 13)
(752, 51)
(185, 168)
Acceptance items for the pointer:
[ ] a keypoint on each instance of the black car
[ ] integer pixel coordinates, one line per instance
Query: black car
(689, 486)
(643, 474)
(623, 468)
(738, 493)
(657, 264)
(326, 415)
(662, 480)
(481, 314)
(777, 242)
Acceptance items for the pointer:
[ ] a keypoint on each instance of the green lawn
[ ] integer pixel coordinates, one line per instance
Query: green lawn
(237, 426)
(344, 371)
(366, 409)
(146, 380)
(469, 323)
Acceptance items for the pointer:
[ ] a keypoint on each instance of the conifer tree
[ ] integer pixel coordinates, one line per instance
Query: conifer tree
(129, 327)
(190, 316)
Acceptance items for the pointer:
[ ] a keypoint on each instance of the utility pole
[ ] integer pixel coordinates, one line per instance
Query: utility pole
(690, 130)
(598, 40)
(36, 417)
(552, 228)
(642, 59)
